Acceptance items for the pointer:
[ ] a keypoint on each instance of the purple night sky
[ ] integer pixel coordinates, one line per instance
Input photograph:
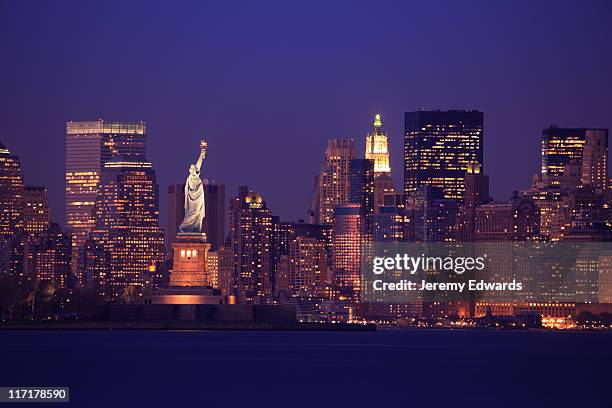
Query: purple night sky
(267, 83)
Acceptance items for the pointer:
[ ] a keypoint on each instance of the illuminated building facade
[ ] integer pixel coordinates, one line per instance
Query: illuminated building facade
(89, 145)
(127, 220)
(348, 233)
(307, 267)
(49, 257)
(333, 181)
(250, 237)
(11, 193)
(36, 213)
(438, 148)
(377, 148)
(586, 150)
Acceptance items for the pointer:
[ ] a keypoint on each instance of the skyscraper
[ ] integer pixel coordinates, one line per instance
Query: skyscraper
(439, 146)
(11, 193)
(361, 184)
(250, 237)
(36, 213)
(584, 151)
(347, 237)
(334, 177)
(214, 220)
(89, 146)
(176, 212)
(377, 148)
(127, 220)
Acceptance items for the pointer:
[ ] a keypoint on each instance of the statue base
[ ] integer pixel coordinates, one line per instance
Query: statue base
(190, 261)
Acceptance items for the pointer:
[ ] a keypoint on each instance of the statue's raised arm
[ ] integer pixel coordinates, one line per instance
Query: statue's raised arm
(203, 146)
(194, 196)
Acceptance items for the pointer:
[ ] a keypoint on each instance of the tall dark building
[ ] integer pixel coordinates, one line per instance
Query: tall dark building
(361, 184)
(176, 212)
(214, 220)
(127, 220)
(439, 146)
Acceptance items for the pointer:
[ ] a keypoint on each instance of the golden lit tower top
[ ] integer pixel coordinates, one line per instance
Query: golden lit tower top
(377, 148)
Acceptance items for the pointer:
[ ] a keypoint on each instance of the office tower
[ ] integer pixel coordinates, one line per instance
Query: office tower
(348, 232)
(476, 194)
(214, 220)
(334, 177)
(176, 212)
(89, 146)
(49, 256)
(581, 151)
(36, 213)
(127, 220)
(433, 218)
(377, 148)
(438, 147)
(11, 193)
(250, 237)
(361, 185)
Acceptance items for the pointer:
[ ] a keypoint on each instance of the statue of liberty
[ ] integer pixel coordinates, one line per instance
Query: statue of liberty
(194, 196)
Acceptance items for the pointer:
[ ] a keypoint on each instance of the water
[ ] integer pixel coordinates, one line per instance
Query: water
(317, 369)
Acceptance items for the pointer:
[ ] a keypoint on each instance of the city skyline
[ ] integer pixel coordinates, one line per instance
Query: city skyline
(294, 91)
(358, 147)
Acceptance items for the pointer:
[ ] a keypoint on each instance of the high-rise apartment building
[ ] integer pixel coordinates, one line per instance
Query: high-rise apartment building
(333, 182)
(49, 256)
(36, 213)
(438, 148)
(250, 236)
(127, 220)
(89, 146)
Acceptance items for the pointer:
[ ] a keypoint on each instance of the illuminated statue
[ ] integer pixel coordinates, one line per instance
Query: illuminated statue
(194, 196)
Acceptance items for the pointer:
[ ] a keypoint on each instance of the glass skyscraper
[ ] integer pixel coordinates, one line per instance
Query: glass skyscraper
(89, 146)
(438, 148)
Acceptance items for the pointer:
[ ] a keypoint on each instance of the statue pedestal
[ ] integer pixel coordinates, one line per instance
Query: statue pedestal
(190, 261)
